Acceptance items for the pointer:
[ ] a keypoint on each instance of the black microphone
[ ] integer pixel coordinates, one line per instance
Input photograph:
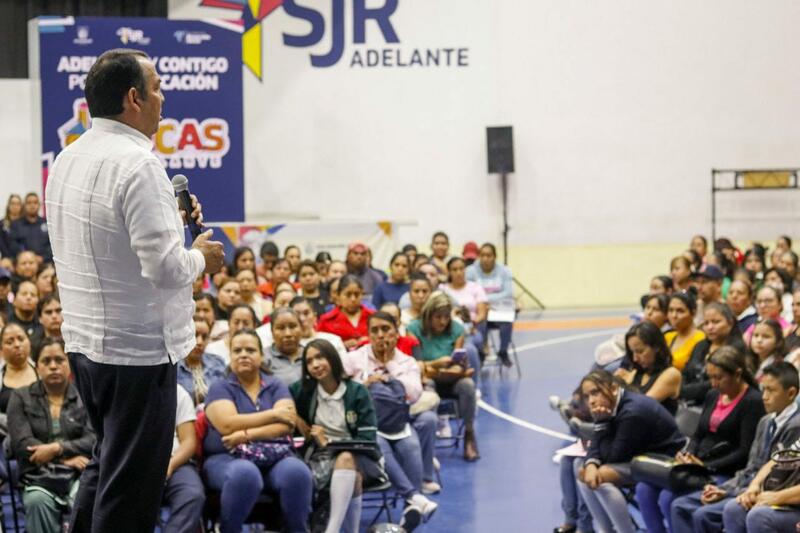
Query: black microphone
(181, 185)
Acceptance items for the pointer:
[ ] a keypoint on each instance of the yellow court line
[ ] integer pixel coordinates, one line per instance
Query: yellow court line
(573, 323)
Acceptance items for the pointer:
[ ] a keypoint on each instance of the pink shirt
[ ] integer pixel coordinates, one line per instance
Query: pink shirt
(469, 296)
(749, 331)
(721, 411)
(361, 363)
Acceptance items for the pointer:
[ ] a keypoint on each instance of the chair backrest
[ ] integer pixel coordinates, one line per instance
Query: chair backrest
(687, 419)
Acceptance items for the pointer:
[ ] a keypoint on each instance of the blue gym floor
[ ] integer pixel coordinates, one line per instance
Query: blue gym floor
(514, 486)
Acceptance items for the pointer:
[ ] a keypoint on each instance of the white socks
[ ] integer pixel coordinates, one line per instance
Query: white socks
(342, 484)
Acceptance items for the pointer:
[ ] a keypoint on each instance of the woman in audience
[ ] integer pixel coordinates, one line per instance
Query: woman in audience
(418, 292)
(244, 259)
(439, 336)
(13, 211)
(228, 296)
(246, 278)
(332, 408)
(740, 300)
(252, 406)
(684, 335)
(626, 424)
(25, 267)
(782, 281)
(700, 245)
(411, 252)
(381, 361)
(754, 263)
(392, 289)
(768, 306)
(205, 306)
(48, 425)
(310, 285)
(336, 270)
(681, 271)
(661, 285)
(242, 316)
(767, 346)
(285, 353)
(793, 336)
(497, 283)
(695, 260)
(281, 271)
(184, 493)
(200, 369)
(468, 295)
(647, 366)
(323, 262)
(721, 443)
(719, 324)
(348, 320)
(440, 248)
(656, 309)
(419, 260)
(292, 255)
(46, 279)
(308, 322)
(405, 344)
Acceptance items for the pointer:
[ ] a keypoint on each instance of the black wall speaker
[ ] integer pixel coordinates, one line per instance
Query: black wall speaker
(500, 147)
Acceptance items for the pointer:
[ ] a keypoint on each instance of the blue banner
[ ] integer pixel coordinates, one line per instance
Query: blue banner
(200, 64)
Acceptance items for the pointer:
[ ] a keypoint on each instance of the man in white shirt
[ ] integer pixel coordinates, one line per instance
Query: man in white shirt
(125, 283)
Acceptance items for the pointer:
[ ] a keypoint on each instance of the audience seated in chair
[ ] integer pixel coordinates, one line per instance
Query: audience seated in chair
(333, 408)
(308, 323)
(284, 357)
(439, 336)
(199, 369)
(184, 494)
(723, 437)
(311, 287)
(468, 295)
(767, 346)
(409, 453)
(626, 424)
(768, 305)
(702, 511)
(719, 325)
(647, 366)
(348, 320)
(684, 335)
(205, 306)
(396, 286)
(240, 316)
(251, 405)
(497, 283)
(262, 307)
(17, 370)
(50, 438)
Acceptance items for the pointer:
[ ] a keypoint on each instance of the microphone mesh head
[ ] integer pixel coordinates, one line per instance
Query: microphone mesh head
(180, 183)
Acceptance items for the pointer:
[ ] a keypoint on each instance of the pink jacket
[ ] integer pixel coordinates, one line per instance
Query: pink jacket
(401, 367)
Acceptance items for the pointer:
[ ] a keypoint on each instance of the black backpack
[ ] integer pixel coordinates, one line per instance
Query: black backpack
(391, 407)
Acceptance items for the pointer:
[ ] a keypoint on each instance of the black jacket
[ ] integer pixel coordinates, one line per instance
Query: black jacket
(641, 425)
(736, 431)
(29, 424)
(32, 236)
(694, 382)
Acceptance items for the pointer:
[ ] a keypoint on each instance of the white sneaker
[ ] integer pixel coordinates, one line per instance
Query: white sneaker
(431, 487)
(425, 505)
(444, 431)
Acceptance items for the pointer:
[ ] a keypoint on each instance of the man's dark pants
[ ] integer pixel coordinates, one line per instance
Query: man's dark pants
(132, 410)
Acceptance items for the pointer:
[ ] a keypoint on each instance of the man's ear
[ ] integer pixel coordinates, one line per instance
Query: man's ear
(131, 100)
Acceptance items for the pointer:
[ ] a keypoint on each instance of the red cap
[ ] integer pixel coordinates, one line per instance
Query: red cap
(357, 246)
(470, 250)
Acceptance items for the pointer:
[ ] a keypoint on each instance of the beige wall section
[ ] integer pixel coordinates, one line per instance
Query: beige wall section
(589, 276)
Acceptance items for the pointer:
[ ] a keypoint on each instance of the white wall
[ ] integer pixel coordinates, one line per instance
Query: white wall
(620, 109)
(19, 168)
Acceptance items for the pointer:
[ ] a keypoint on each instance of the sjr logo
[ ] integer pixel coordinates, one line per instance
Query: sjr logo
(361, 14)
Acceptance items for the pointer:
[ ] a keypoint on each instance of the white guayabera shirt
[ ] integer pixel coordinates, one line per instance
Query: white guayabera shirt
(124, 276)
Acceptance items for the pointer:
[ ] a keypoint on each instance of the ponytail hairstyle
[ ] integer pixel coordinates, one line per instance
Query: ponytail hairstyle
(730, 360)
